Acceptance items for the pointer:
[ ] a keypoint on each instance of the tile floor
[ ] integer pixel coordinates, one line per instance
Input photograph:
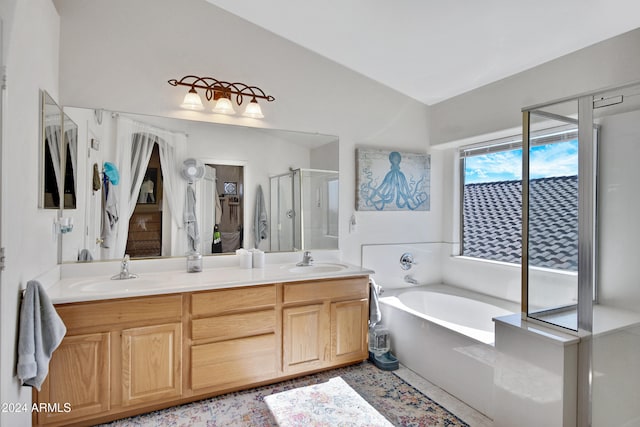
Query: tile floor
(459, 408)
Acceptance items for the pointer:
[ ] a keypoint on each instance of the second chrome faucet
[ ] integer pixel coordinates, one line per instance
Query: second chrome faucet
(124, 270)
(307, 260)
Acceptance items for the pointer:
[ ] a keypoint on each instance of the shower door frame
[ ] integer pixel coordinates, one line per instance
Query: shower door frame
(587, 243)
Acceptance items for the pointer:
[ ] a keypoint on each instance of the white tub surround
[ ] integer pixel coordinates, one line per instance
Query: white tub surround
(385, 260)
(445, 334)
(536, 374)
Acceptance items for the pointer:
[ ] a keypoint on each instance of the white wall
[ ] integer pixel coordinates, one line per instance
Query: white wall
(323, 157)
(115, 55)
(32, 64)
(618, 226)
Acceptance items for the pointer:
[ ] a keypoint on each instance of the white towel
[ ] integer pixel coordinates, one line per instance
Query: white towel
(260, 224)
(40, 333)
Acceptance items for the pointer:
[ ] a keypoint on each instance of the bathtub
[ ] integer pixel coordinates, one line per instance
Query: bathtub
(446, 335)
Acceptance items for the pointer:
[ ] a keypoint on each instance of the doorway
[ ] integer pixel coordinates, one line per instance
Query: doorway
(229, 208)
(145, 225)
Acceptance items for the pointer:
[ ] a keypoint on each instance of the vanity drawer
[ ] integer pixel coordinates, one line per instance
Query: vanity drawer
(229, 300)
(234, 325)
(333, 289)
(130, 312)
(232, 363)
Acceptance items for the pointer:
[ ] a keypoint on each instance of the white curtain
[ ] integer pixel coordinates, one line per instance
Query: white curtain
(133, 151)
(135, 141)
(172, 154)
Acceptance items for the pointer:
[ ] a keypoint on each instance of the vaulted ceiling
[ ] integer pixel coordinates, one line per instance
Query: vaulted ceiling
(434, 50)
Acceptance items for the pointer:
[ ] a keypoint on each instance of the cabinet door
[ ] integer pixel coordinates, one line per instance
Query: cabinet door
(151, 363)
(349, 330)
(305, 337)
(79, 373)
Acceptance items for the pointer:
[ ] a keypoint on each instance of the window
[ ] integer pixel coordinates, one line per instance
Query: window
(491, 226)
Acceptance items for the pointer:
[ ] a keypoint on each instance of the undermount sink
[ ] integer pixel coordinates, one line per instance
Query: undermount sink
(109, 285)
(322, 267)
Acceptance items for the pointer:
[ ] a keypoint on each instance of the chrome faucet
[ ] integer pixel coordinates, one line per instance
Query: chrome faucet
(410, 280)
(307, 260)
(124, 270)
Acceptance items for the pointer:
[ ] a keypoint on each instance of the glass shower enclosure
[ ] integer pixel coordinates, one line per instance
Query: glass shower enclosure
(593, 289)
(304, 210)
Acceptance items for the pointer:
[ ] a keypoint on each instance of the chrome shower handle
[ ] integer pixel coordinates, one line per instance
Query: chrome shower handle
(406, 261)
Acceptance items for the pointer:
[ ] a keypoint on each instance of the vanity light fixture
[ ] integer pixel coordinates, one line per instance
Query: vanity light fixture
(221, 92)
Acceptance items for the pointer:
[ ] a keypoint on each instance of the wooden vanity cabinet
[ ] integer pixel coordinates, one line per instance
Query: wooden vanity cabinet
(127, 356)
(324, 323)
(117, 355)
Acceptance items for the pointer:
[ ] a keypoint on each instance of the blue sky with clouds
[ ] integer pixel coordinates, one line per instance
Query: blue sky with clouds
(559, 159)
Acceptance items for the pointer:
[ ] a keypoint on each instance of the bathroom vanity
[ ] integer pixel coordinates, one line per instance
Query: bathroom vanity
(134, 354)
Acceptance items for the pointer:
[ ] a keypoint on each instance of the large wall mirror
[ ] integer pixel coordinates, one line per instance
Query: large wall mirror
(229, 196)
(58, 156)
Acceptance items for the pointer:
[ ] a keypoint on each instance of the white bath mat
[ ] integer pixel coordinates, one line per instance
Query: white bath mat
(330, 404)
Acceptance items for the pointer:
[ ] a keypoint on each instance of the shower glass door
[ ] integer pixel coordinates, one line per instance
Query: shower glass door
(550, 205)
(282, 213)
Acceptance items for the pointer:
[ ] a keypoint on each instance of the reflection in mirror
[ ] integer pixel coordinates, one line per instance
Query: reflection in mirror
(239, 162)
(70, 129)
(50, 152)
(223, 204)
(59, 148)
(304, 210)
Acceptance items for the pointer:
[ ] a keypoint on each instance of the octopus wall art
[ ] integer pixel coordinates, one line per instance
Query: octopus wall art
(392, 181)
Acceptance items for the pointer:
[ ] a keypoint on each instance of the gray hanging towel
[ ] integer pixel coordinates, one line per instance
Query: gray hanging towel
(190, 220)
(260, 224)
(109, 215)
(40, 332)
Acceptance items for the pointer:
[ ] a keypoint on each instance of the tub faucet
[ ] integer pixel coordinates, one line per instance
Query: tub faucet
(124, 270)
(307, 260)
(409, 279)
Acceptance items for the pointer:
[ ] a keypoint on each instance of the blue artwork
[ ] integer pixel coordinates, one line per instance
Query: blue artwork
(392, 181)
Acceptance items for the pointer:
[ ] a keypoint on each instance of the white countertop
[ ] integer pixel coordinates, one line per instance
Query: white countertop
(99, 287)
